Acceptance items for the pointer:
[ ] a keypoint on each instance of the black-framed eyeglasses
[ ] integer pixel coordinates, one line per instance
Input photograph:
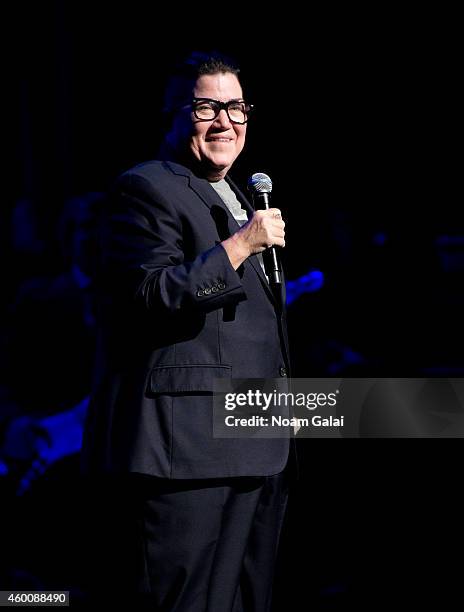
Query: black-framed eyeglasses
(206, 109)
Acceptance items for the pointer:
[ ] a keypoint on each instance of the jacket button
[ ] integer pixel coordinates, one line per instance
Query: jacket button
(283, 371)
(207, 291)
(200, 293)
(221, 286)
(214, 289)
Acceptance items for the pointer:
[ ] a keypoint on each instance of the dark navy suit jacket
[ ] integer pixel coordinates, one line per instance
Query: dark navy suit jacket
(174, 315)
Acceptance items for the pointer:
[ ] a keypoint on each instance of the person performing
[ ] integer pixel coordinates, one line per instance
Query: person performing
(191, 523)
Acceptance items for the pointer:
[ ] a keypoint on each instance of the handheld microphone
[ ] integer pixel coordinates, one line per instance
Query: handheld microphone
(260, 187)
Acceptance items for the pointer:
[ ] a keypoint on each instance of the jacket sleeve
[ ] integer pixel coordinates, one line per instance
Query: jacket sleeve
(143, 255)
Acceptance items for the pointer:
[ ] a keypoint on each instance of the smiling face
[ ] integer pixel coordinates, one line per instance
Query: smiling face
(215, 144)
(218, 143)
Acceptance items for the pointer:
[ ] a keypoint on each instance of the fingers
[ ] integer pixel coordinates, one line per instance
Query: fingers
(265, 229)
(275, 228)
(269, 212)
(276, 240)
(273, 215)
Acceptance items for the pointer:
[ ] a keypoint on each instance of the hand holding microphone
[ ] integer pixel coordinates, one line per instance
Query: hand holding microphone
(260, 186)
(261, 233)
(264, 230)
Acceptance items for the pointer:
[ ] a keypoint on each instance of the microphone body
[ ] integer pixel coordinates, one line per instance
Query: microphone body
(260, 186)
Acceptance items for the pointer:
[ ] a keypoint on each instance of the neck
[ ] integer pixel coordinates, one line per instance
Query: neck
(215, 175)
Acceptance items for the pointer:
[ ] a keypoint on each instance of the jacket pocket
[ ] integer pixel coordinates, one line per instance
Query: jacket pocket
(186, 378)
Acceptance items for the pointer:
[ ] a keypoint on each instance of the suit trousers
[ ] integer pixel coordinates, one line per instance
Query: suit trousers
(190, 545)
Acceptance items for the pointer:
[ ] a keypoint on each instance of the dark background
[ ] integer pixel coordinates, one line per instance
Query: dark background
(357, 124)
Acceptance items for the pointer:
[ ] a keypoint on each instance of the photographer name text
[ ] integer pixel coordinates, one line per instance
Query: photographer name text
(279, 421)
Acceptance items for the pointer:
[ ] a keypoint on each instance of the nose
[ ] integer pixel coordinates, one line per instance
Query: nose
(222, 119)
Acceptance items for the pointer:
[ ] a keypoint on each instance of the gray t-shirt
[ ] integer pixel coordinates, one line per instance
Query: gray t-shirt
(229, 198)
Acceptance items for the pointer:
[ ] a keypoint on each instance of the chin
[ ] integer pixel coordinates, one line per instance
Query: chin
(220, 161)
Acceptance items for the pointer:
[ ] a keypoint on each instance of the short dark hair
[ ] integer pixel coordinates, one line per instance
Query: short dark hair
(180, 83)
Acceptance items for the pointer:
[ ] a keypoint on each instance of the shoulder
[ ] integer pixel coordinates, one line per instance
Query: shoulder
(152, 179)
(155, 171)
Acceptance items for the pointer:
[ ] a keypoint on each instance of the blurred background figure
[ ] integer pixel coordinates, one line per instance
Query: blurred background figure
(46, 359)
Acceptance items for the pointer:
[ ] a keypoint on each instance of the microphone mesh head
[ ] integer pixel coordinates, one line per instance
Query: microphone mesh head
(260, 183)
